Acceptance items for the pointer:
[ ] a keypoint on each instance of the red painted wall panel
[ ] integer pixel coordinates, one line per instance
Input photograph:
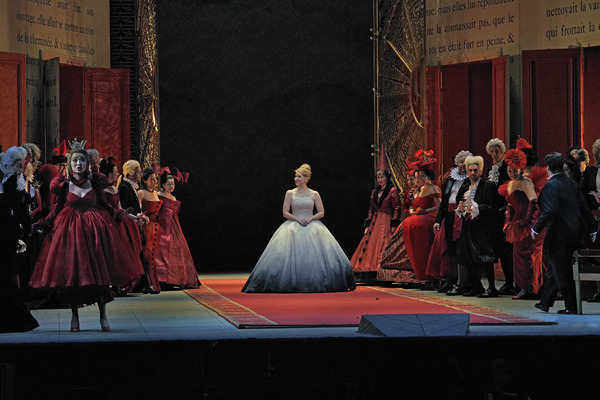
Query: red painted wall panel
(591, 97)
(12, 100)
(455, 111)
(481, 122)
(551, 99)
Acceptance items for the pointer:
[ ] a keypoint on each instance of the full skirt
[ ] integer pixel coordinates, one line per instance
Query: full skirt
(301, 259)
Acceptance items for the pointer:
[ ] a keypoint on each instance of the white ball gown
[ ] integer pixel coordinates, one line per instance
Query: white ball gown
(301, 259)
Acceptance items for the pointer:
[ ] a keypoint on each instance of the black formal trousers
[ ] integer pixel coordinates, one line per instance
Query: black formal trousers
(559, 273)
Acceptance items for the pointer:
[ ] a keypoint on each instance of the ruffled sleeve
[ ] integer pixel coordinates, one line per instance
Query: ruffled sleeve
(539, 177)
(59, 186)
(503, 190)
(98, 185)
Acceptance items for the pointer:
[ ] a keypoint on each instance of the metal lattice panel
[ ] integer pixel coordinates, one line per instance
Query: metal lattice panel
(123, 55)
(401, 36)
(147, 83)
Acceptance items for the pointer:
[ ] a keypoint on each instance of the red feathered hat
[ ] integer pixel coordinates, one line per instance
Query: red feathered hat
(523, 144)
(423, 159)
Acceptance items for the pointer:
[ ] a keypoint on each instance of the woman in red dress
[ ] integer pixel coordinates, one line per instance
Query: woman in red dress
(84, 253)
(174, 262)
(381, 221)
(129, 228)
(151, 205)
(418, 229)
(522, 212)
(395, 265)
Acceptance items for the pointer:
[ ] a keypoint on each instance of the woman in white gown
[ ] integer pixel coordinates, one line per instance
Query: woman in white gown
(302, 256)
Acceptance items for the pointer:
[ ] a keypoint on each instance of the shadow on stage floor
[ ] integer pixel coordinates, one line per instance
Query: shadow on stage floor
(167, 346)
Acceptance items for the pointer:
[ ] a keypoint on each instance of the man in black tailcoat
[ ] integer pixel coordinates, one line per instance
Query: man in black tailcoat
(477, 246)
(445, 220)
(497, 172)
(132, 174)
(567, 219)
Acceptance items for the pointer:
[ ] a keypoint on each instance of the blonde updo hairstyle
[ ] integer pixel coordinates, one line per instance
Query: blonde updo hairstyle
(474, 160)
(304, 170)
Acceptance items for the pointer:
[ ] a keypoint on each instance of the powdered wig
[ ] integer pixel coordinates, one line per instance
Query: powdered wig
(32, 148)
(13, 155)
(463, 154)
(474, 160)
(93, 153)
(86, 173)
(495, 142)
(596, 150)
(304, 170)
(129, 167)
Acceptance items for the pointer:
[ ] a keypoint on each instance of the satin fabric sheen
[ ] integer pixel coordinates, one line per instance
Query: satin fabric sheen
(301, 258)
(174, 263)
(84, 253)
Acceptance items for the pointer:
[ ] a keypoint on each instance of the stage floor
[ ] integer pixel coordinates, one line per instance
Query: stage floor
(174, 316)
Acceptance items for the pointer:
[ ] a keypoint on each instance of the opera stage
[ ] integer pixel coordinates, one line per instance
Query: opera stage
(170, 346)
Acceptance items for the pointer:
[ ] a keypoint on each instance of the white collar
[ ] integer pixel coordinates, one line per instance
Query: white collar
(132, 183)
(456, 176)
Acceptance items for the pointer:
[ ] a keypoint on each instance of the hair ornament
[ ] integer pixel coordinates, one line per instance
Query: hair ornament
(515, 159)
(422, 159)
(523, 144)
(182, 177)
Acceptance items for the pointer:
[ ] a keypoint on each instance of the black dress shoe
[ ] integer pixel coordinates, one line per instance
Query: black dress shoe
(566, 312)
(488, 293)
(506, 289)
(449, 284)
(150, 289)
(474, 292)
(524, 295)
(454, 291)
(542, 307)
(429, 285)
(595, 298)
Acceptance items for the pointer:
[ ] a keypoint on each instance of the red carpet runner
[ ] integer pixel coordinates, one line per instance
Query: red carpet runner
(272, 310)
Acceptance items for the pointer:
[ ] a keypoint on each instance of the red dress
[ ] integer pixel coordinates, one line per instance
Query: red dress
(174, 263)
(152, 236)
(527, 252)
(395, 265)
(418, 235)
(129, 229)
(84, 254)
(367, 256)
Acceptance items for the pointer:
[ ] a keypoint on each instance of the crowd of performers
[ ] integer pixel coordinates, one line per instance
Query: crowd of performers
(528, 218)
(76, 232)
